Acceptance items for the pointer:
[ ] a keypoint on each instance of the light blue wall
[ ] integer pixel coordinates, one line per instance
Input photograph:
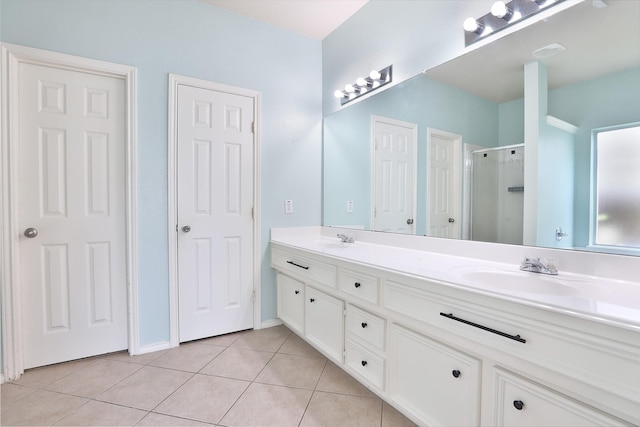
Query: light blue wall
(192, 38)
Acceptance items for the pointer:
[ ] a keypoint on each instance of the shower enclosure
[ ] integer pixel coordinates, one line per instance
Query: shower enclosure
(497, 194)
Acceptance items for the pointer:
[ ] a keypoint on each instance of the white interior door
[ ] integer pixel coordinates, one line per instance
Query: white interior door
(394, 175)
(444, 218)
(71, 192)
(215, 219)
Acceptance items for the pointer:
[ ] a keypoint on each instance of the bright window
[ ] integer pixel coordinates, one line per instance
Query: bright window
(618, 187)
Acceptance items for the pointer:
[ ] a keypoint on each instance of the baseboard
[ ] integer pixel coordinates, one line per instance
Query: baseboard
(150, 348)
(270, 323)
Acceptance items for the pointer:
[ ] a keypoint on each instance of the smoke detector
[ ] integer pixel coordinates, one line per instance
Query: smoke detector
(548, 50)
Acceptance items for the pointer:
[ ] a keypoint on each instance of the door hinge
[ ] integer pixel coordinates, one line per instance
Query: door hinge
(253, 213)
(253, 127)
(176, 228)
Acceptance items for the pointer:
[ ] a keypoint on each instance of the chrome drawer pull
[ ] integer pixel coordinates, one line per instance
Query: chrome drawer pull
(484, 328)
(297, 265)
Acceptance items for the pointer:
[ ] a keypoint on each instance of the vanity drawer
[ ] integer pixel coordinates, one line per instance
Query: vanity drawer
(365, 363)
(360, 285)
(520, 402)
(365, 327)
(304, 268)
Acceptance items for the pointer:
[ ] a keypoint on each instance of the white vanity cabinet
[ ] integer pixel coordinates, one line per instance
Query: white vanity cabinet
(445, 355)
(324, 322)
(520, 402)
(434, 382)
(291, 302)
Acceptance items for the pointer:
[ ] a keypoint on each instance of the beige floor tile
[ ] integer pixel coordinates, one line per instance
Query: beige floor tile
(158, 420)
(146, 388)
(269, 339)
(41, 408)
(299, 347)
(203, 398)
(102, 414)
(335, 380)
(239, 363)
(95, 378)
(11, 393)
(268, 405)
(222, 340)
(292, 371)
(392, 418)
(41, 377)
(329, 409)
(141, 359)
(188, 357)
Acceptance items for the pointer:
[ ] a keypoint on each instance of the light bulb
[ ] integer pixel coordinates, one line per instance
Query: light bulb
(500, 10)
(375, 75)
(338, 94)
(361, 82)
(472, 25)
(349, 88)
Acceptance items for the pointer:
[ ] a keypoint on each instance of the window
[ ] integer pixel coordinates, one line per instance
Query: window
(617, 187)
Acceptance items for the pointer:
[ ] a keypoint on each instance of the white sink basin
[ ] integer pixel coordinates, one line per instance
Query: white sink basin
(531, 283)
(329, 244)
(524, 282)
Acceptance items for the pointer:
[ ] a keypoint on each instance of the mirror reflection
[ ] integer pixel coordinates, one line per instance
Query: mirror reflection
(499, 145)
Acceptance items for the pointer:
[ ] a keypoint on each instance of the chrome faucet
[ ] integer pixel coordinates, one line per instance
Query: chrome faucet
(539, 265)
(344, 238)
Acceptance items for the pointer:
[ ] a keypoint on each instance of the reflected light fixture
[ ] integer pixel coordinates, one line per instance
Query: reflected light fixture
(503, 15)
(375, 80)
(473, 26)
(501, 10)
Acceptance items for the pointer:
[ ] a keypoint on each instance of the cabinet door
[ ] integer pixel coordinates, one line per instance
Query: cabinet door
(324, 322)
(436, 383)
(520, 402)
(291, 302)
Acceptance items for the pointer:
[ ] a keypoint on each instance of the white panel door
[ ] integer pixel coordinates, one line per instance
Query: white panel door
(72, 192)
(394, 175)
(215, 222)
(444, 218)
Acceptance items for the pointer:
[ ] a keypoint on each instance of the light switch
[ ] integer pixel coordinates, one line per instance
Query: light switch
(288, 206)
(350, 206)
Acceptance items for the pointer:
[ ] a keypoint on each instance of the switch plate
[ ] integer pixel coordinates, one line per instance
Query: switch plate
(350, 206)
(288, 206)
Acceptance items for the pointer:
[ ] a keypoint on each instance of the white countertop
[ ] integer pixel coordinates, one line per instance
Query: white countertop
(615, 302)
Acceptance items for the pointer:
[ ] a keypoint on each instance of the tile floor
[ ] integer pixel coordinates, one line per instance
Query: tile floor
(268, 377)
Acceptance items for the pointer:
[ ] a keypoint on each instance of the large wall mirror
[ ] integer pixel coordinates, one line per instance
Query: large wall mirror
(444, 154)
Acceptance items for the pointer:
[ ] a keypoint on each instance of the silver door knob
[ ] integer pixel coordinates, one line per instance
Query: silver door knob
(451, 220)
(31, 232)
(410, 221)
(186, 228)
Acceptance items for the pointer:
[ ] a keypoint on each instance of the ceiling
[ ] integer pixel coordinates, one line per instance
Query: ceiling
(311, 18)
(598, 42)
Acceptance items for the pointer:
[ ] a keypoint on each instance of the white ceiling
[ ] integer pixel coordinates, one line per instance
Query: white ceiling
(311, 18)
(598, 42)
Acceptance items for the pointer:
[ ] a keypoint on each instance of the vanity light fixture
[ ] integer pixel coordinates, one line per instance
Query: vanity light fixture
(375, 80)
(502, 16)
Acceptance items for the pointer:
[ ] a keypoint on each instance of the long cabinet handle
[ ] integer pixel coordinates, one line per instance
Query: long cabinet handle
(297, 265)
(484, 328)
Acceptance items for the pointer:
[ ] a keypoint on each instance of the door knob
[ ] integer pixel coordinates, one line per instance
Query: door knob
(451, 220)
(186, 228)
(31, 232)
(410, 221)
